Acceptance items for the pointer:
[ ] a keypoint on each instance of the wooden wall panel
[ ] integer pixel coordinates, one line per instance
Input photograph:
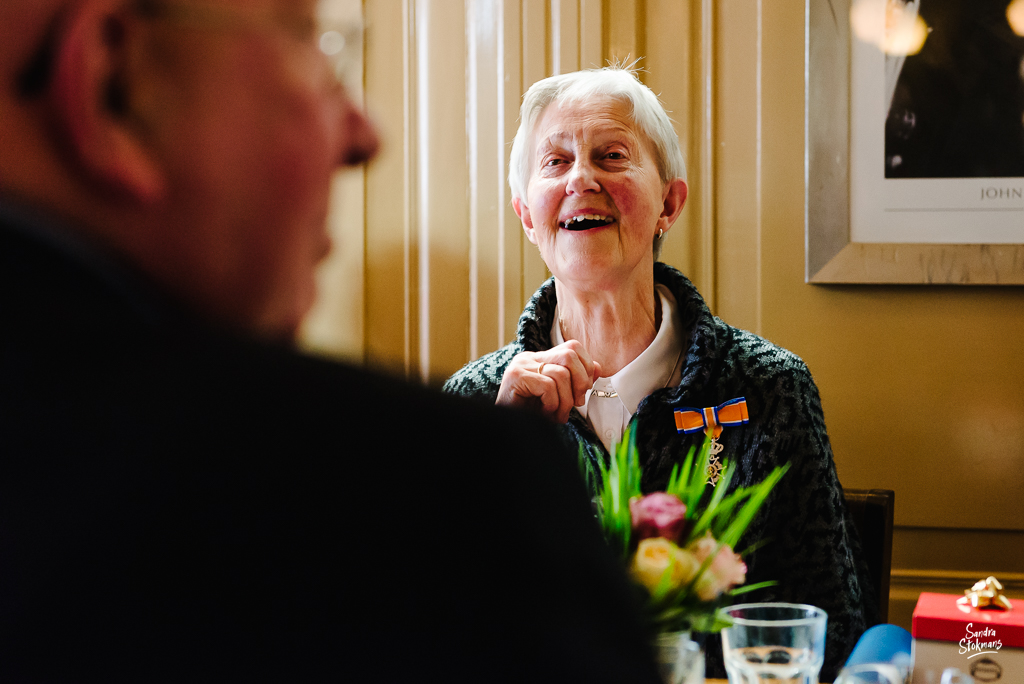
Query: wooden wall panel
(391, 259)
(564, 35)
(591, 34)
(442, 179)
(484, 119)
(537, 63)
(625, 31)
(514, 245)
(679, 63)
(738, 171)
(447, 269)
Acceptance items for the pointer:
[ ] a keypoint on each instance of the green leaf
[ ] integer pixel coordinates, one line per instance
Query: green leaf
(725, 509)
(678, 486)
(698, 476)
(712, 622)
(621, 483)
(712, 510)
(747, 588)
(754, 547)
(673, 480)
(739, 524)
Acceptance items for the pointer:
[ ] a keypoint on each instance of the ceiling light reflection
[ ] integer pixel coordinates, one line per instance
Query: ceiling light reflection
(893, 26)
(1015, 15)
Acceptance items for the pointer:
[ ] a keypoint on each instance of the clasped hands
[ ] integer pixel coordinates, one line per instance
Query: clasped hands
(551, 381)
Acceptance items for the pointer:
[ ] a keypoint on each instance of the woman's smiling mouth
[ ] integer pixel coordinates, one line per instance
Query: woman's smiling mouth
(586, 222)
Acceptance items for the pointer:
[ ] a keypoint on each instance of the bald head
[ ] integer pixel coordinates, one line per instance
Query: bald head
(194, 138)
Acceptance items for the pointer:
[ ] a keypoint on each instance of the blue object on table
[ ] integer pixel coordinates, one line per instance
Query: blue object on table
(881, 644)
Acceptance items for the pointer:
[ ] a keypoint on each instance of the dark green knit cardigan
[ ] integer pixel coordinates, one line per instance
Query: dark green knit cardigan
(809, 544)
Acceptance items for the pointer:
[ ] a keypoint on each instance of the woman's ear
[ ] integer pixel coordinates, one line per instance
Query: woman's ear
(672, 203)
(523, 212)
(89, 100)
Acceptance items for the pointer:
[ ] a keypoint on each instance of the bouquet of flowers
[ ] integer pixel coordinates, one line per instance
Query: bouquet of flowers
(677, 544)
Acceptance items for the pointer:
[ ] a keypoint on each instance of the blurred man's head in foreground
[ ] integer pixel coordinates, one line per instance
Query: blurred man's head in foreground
(195, 139)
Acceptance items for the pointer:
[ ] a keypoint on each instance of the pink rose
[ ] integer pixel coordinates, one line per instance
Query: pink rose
(658, 515)
(727, 570)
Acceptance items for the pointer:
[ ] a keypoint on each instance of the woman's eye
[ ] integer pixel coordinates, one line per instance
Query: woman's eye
(554, 162)
(616, 155)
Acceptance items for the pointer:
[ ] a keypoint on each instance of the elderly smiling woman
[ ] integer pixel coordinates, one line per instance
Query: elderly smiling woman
(615, 338)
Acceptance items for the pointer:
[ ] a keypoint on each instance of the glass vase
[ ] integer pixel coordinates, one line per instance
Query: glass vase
(680, 660)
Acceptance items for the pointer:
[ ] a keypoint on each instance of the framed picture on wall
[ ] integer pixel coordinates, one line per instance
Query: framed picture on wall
(914, 142)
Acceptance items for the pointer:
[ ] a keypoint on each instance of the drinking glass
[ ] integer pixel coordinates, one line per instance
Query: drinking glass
(774, 641)
(949, 675)
(875, 673)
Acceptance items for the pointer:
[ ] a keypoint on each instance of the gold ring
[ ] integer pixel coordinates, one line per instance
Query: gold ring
(540, 369)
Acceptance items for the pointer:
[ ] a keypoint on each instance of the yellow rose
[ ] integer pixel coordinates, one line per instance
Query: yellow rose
(656, 557)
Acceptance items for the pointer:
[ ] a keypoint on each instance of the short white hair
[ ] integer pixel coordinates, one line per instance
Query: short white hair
(620, 83)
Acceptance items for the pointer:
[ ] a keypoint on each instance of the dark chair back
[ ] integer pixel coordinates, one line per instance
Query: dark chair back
(872, 513)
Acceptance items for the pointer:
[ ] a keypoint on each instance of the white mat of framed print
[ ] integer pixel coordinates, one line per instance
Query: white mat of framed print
(915, 164)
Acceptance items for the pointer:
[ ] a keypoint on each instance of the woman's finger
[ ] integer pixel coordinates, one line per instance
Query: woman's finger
(562, 378)
(521, 381)
(578, 380)
(575, 358)
(590, 367)
(531, 385)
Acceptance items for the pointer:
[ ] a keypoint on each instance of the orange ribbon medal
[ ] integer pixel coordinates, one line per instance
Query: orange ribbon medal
(711, 421)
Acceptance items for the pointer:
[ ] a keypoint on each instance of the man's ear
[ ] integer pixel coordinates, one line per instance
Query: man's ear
(89, 101)
(672, 203)
(523, 212)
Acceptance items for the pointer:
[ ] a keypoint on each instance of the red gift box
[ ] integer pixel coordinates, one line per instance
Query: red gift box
(986, 643)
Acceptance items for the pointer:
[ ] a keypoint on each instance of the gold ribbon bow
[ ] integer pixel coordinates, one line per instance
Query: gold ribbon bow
(986, 593)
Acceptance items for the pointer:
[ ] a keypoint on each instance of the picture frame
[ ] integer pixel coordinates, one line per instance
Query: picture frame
(831, 255)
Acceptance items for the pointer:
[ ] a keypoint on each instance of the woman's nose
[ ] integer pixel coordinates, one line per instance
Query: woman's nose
(582, 178)
(358, 138)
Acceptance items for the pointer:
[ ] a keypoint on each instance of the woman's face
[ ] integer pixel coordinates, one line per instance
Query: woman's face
(595, 201)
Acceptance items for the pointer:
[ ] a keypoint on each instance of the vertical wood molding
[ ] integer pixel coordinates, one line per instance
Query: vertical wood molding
(739, 163)
(705, 243)
(417, 218)
(536, 64)
(667, 58)
(390, 260)
(410, 260)
(442, 197)
(591, 32)
(484, 118)
(565, 36)
(624, 31)
(681, 71)
(513, 241)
